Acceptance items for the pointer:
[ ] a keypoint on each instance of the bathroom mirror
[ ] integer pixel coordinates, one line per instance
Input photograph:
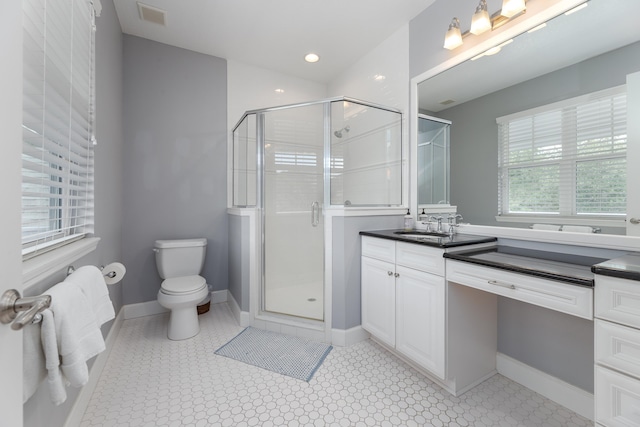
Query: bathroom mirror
(433, 160)
(593, 49)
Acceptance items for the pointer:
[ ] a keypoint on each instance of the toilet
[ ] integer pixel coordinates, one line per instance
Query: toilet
(179, 263)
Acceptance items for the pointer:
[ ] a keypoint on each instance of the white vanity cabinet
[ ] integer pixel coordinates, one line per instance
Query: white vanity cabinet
(403, 299)
(617, 351)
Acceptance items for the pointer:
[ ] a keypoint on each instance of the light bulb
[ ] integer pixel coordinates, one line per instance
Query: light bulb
(453, 38)
(512, 7)
(481, 21)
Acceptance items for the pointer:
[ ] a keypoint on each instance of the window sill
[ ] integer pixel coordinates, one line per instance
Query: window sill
(39, 268)
(559, 220)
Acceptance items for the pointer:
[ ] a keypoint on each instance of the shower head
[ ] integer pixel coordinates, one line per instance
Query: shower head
(345, 129)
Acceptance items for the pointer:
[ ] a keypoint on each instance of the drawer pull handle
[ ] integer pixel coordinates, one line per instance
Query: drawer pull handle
(504, 285)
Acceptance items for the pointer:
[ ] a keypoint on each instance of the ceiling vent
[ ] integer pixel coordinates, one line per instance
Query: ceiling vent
(447, 102)
(152, 14)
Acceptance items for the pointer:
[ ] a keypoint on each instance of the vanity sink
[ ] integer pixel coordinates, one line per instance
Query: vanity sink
(422, 234)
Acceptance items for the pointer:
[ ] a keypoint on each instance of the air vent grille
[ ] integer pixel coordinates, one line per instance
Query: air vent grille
(152, 14)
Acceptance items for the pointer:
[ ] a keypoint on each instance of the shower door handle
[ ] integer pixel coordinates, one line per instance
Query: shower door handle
(315, 214)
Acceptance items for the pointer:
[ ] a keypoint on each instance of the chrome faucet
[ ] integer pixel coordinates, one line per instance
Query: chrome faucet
(453, 223)
(439, 219)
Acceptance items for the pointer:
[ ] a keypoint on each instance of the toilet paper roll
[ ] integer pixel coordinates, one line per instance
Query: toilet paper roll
(113, 273)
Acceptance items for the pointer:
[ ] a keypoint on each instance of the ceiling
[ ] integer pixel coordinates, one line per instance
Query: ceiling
(275, 34)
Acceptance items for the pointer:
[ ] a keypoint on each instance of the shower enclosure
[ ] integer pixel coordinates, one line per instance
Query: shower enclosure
(294, 163)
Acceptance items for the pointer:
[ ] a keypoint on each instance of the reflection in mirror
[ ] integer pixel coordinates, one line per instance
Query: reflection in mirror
(433, 160)
(594, 49)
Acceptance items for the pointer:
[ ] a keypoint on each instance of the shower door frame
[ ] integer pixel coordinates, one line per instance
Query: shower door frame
(258, 312)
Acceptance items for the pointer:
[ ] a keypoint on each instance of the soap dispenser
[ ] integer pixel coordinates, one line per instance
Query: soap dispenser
(408, 221)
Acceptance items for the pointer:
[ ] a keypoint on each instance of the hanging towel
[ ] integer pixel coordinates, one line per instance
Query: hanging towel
(577, 228)
(33, 368)
(91, 282)
(77, 336)
(55, 381)
(549, 227)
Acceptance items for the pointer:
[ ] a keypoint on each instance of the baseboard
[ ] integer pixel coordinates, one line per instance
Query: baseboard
(219, 296)
(149, 308)
(242, 317)
(80, 405)
(561, 392)
(347, 337)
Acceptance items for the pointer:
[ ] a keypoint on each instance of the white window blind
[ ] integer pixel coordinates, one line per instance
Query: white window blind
(58, 115)
(566, 158)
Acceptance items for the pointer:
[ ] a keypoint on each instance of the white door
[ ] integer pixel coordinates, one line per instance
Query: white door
(633, 154)
(10, 259)
(378, 292)
(420, 318)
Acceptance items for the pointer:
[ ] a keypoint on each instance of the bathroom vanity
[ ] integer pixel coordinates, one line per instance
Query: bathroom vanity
(433, 302)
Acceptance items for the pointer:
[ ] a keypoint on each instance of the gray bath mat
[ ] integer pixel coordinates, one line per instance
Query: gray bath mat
(284, 354)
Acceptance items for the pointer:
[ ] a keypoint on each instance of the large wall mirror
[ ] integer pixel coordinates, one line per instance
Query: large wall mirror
(586, 52)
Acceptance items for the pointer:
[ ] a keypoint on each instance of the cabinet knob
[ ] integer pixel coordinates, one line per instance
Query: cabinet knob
(634, 221)
(390, 273)
(397, 275)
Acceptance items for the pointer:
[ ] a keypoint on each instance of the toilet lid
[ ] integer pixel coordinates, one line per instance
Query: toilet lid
(183, 285)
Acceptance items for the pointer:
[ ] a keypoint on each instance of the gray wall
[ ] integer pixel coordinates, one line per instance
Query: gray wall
(239, 268)
(39, 411)
(346, 310)
(174, 160)
(474, 133)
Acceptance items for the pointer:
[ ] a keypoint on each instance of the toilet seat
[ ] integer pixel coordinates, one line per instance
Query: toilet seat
(183, 285)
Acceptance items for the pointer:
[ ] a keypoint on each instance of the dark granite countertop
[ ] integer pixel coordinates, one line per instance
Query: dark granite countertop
(625, 267)
(430, 240)
(571, 269)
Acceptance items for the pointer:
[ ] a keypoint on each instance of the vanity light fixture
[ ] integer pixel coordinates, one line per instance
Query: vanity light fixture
(481, 21)
(453, 38)
(311, 58)
(511, 8)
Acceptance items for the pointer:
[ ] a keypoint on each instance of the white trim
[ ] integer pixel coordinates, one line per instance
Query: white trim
(82, 401)
(561, 220)
(594, 240)
(348, 337)
(149, 308)
(374, 211)
(561, 392)
(242, 317)
(219, 296)
(42, 266)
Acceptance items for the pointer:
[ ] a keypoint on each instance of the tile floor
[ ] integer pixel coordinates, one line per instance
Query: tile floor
(151, 381)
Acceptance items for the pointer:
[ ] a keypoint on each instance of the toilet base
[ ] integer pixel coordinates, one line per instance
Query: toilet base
(183, 323)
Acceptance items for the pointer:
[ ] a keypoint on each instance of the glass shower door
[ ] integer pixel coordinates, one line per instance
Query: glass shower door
(292, 202)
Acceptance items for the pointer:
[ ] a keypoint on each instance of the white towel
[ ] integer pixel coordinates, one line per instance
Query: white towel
(77, 336)
(55, 381)
(549, 227)
(577, 228)
(33, 368)
(91, 282)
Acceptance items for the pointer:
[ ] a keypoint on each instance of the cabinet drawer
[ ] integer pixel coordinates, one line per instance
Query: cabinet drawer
(420, 257)
(381, 249)
(617, 399)
(618, 347)
(618, 300)
(566, 298)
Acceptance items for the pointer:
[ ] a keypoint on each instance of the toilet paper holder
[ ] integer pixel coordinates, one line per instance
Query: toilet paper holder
(111, 271)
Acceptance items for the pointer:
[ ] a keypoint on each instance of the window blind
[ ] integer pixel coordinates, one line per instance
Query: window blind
(58, 116)
(566, 158)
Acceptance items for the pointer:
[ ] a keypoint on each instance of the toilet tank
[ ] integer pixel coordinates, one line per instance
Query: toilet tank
(176, 258)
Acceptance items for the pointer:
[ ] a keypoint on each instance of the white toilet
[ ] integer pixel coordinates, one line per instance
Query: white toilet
(179, 263)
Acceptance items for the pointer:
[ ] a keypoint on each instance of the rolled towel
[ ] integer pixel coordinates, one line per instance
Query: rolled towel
(577, 228)
(550, 227)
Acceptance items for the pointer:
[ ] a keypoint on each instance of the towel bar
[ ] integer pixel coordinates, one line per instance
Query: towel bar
(20, 311)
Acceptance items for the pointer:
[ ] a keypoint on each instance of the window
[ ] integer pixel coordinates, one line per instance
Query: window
(565, 159)
(58, 114)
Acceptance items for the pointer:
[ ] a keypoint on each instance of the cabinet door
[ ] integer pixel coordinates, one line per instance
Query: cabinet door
(617, 399)
(379, 299)
(420, 314)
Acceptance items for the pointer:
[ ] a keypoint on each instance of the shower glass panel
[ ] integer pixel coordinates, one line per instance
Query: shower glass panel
(433, 160)
(366, 155)
(244, 162)
(293, 226)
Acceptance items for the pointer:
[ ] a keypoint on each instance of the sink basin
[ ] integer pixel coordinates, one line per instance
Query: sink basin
(422, 234)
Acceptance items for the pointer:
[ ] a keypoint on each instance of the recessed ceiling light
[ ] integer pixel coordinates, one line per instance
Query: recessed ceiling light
(312, 57)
